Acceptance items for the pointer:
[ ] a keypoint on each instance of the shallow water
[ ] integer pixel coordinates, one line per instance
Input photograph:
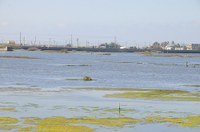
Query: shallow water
(34, 87)
(116, 70)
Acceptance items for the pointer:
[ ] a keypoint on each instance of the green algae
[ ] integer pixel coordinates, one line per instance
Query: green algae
(165, 95)
(148, 94)
(8, 120)
(109, 122)
(8, 123)
(44, 128)
(62, 124)
(55, 128)
(8, 109)
(26, 129)
(190, 121)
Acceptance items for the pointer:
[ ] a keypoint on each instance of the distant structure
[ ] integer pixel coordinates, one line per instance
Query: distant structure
(11, 42)
(4, 49)
(193, 47)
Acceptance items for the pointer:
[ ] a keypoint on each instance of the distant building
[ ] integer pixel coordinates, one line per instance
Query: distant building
(179, 48)
(122, 47)
(11, 42)
(170, 47)
(193, 47)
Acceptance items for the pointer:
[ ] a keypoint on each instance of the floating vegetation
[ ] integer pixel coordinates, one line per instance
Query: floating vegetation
(8, 109)
(190, 121)
(153, 94)
(46, 128)
(109, 122)
(87, 78)
(166, 95)
(26, 129)
(8, 123)
(19, 57)
(57, 124)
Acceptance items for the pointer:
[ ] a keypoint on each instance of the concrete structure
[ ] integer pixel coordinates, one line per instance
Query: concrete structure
(193, 47)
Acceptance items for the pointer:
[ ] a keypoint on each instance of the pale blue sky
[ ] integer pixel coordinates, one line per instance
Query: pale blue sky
(131, 21)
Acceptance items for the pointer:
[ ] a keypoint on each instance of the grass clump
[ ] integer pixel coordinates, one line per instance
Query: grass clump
(87, 78)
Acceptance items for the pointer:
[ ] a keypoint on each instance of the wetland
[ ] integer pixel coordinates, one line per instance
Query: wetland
(127, 92)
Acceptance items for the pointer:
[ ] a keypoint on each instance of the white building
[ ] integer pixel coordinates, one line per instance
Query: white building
(193, 47)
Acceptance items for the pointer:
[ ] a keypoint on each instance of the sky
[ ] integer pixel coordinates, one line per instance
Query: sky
(131, 22)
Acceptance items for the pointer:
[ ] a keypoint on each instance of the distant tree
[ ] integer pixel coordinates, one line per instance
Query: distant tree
(173, 42)
(156, 46)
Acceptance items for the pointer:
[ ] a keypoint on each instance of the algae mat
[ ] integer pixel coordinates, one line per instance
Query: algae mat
(62, 124)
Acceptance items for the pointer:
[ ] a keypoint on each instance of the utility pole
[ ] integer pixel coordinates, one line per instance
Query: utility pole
(24, 40)
(49, 41)
(71, 39)
(115, 40)
(35, 40)
(20, 38)
(77, 42)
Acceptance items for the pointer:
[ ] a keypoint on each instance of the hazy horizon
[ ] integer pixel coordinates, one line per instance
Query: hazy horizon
(130, 21)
